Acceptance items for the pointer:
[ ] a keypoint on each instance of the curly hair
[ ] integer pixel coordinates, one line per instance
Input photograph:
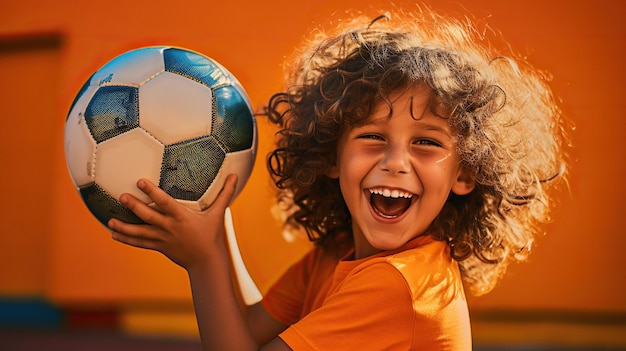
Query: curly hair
(510, 132)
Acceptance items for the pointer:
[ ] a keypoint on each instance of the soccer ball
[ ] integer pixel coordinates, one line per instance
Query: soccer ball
(173, 116)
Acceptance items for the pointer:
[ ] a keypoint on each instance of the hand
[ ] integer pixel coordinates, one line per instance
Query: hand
(185, 236)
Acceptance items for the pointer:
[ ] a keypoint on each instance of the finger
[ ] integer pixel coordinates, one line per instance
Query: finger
(161, 199)
(226, 194)
(164, 204)
(138, 235)
(135, 241)
(140, 231)
(142, 210)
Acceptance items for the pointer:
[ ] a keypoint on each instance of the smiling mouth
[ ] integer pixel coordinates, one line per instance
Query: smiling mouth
(390, 203)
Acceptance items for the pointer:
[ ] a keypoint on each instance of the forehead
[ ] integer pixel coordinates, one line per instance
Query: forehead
(417, 101)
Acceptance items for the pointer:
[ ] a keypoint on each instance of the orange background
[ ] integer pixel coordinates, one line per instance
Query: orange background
(51, 247)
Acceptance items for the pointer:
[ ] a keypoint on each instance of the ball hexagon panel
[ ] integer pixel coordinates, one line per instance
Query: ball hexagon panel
(189, 168)
(113, 110)
(123, 160)
(80, 148)
(196, 67)
(174, 108)
(131, 68)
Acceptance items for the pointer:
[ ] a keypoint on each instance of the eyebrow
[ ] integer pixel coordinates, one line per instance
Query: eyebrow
(382, 120)
(434, 127)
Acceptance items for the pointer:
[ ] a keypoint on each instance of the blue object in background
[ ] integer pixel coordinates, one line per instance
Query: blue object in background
(19, 313)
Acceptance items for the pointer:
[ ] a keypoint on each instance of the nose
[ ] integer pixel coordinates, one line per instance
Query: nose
(395, 159)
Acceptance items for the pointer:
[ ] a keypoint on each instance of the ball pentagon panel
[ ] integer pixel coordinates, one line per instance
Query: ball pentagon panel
(113, 110)
(239, 163)
(233, 123)
(104, 207)
(189, 168)
(195, 66)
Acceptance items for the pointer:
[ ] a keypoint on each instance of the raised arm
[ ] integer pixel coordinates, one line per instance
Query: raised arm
(196, 241)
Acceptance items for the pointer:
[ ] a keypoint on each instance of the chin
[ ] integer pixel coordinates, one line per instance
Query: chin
(387, 244)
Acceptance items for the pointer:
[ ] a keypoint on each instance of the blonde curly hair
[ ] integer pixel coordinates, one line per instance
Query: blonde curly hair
(510, 132)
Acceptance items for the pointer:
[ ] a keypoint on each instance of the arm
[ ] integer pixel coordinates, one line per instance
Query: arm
(195, 241)
(265, 326)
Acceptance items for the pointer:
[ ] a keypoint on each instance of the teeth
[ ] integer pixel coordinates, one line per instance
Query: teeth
(391, 193)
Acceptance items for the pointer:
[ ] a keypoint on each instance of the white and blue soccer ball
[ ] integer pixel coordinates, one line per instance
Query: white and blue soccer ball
(173, 116)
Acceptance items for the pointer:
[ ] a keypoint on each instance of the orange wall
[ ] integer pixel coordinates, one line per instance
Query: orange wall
(51, 246)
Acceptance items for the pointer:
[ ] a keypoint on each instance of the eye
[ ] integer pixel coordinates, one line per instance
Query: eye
(370, 136)
(427, 142)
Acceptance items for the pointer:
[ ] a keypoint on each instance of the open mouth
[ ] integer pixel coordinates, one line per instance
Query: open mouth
(390, 203)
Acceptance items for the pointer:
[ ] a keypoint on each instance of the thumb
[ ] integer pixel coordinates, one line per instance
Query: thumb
(226, 194)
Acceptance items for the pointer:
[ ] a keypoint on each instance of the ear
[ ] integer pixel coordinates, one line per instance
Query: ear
(333, 172)
(464, 183)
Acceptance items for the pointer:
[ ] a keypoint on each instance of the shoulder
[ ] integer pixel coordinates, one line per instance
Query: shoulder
(395, 301)
(429, 280)
(428, 267)
(418, 268)
(422, 280)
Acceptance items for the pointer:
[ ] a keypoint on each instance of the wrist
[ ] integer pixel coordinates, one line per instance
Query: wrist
(214, 259)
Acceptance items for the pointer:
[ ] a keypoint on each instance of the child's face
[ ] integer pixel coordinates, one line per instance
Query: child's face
(396, 173)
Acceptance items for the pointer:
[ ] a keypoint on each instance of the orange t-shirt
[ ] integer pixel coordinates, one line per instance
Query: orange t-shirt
(407, 299)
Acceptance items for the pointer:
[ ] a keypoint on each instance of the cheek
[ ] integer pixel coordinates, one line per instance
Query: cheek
(352, 164)
(441, 178)
(352, 171)
(445, 164)
(436, 158)
(445, 158)
(350, 174)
